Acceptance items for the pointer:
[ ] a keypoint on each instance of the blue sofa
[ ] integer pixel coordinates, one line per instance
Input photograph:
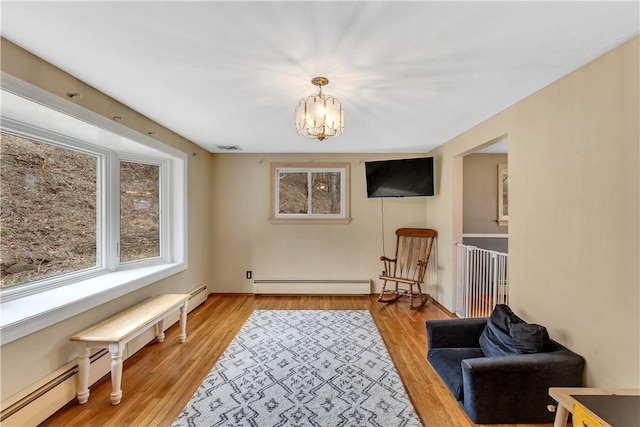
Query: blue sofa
(508, 389)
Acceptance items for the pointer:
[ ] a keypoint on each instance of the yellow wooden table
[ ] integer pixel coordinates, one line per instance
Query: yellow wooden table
(116, 331)
(597, 407)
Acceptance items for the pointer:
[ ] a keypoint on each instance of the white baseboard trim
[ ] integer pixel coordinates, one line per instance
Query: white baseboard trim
(35, 404)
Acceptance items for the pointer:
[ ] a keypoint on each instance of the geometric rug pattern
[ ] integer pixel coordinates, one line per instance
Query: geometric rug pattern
(319, 368)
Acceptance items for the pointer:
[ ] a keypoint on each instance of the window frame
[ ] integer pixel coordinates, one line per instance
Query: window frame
(43, 136)
(163, 206)
(31, 112)
(309, 218)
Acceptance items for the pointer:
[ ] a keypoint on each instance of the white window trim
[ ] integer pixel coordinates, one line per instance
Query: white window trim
(41, 135)
(309, 218)
(21, 315)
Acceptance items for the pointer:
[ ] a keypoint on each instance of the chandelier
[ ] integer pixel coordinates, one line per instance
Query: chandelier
(319, 116)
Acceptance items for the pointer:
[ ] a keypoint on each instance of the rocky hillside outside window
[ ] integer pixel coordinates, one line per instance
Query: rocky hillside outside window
(48, 214)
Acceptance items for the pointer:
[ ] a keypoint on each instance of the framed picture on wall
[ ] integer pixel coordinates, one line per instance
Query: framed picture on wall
(503, 194)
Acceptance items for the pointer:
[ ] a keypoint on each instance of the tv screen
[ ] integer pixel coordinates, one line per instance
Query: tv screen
(400, 178)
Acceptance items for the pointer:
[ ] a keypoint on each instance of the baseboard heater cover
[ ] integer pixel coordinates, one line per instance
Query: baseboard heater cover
(34, 406)
(312, 287)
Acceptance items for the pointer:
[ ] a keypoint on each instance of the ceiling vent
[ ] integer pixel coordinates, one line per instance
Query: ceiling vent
(228, 148)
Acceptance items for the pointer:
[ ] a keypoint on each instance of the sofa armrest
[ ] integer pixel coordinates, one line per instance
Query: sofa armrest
(552, 364)
(514, 389)
(452, 333)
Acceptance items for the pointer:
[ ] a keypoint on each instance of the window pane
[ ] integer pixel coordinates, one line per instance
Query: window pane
(326, 193)
(47, 210)
(293, 192)
(139, 211)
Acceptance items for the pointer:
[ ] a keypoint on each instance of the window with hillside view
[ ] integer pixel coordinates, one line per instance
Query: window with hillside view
(51, 210)
(310, 193)
(48, 216)
(139, 211)
(63, 170)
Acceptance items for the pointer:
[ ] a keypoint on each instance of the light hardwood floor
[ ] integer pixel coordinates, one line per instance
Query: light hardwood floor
(160, 379)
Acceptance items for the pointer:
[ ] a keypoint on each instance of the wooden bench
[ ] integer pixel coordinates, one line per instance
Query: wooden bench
(115, 332)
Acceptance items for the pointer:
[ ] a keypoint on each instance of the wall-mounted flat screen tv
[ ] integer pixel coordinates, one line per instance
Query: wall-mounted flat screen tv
(400, 178)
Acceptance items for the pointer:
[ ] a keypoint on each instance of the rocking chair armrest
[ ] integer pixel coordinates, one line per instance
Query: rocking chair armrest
(387, 264)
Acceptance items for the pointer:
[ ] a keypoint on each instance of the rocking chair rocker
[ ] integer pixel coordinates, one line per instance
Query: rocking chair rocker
(413, 247)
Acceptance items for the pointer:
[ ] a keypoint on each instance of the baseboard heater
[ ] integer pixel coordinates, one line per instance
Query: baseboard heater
(32, 406)
(312, 287)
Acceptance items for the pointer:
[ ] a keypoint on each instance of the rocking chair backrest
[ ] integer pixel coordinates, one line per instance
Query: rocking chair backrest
(413, 248)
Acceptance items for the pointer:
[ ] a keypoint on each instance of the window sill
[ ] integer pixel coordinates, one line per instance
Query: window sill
(24, 316)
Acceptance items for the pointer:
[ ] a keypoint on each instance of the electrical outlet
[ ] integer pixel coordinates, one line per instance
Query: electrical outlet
(249, 274)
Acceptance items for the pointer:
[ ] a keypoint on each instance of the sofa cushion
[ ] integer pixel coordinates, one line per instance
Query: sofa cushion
(507, 334)
(447, 363)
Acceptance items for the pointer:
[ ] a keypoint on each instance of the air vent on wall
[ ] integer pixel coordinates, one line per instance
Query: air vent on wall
(229, 148)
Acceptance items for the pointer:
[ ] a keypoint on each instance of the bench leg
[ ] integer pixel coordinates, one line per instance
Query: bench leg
(83, 372)
(116, 350)
(183, 321)
(160, 330)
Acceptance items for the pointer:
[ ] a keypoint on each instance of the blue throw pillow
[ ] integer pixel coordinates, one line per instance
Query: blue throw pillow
(507, 334)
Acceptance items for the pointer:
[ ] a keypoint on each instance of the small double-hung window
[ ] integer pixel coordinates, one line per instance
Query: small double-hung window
(301, 192)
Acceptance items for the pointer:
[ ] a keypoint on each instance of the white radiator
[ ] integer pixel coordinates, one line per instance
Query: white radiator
(312, 287)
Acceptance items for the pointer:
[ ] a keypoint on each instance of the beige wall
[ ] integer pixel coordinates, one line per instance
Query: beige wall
(228, 207)
(33, 357)
(573, 211)
(574, 221)
(244, 239)
(480, 193)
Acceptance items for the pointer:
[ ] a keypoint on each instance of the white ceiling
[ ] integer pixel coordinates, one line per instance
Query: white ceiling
(411, 75)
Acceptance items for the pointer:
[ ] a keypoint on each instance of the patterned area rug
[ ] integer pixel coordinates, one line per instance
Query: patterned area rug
(319, 368)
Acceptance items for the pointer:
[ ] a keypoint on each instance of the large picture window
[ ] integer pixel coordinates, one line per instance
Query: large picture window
(51, 211)
(318, 193)
(48, 210)
(90, 210)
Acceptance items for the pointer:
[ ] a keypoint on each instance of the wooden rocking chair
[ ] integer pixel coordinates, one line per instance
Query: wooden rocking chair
(413, 247)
